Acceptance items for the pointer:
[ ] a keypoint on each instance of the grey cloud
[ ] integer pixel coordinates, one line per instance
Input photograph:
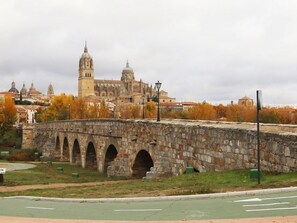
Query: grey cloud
(200, 50)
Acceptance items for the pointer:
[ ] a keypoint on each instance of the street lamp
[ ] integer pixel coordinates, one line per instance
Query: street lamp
(259, 107)
(69, 111)
(158, 86)
(143, 97)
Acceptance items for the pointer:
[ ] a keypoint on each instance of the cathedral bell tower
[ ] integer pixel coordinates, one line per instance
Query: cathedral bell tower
(86, 75)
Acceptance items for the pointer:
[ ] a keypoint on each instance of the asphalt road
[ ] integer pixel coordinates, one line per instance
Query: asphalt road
(266, 205)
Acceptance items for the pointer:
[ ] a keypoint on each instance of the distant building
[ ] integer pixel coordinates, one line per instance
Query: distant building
(50, 91)
(246, 101)
(125, 90)
(26, 114)
(13, 88)
(33, 91)
(182, 106)
(32, 95)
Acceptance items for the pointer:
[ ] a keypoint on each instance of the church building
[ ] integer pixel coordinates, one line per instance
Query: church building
(125, 90)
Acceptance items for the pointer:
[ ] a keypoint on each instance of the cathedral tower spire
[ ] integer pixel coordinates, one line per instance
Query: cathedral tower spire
(86, 48)
(86, 74)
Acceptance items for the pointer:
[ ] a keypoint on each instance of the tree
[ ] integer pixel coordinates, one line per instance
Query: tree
(150, 109)
(221, 111)
(104, 110)
(269, 116)
(78, 109)
(60, 109)
(202, 111)
(8, 116)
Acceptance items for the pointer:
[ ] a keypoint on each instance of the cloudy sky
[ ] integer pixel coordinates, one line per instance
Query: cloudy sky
(213, 50)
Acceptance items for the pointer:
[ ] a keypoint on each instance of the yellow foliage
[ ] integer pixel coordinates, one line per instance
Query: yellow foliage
(150, 110)
(202, 111)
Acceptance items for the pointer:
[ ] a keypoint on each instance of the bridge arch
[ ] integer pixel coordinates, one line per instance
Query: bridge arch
(110, 154)
(58, 144)
(76, 153)
(65, 150)
(91, 156)
(142, 164)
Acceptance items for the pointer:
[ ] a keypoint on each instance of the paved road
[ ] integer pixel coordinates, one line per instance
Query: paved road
(16, 166)
(267, 205)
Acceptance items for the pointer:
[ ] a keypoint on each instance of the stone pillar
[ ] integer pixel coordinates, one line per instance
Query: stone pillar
(83, 160)
(27, 136)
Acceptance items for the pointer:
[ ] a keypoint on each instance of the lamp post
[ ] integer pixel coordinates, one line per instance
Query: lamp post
(158, 86)
(143, 97)
(259, 107)
(69, 111)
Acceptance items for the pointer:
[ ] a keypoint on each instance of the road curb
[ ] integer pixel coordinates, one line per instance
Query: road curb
(160, 198)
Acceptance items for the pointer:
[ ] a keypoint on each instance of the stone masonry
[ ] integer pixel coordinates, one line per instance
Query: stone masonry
(153, 149)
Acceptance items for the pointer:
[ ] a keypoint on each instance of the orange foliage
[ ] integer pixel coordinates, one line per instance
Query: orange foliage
(104, 111)
(7, 115)
(240, 113)
(202, 111)
(130, 111)
(58, 110)
(150, 110)
(78, 109)
(9, 110)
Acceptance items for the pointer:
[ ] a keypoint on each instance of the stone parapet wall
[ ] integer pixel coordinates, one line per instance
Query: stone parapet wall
(177, 144)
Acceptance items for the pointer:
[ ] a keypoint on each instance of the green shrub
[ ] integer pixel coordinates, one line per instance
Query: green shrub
(22, 155)
(11, 138)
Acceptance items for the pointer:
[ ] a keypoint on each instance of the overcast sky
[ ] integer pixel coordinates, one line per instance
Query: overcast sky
(209, 50)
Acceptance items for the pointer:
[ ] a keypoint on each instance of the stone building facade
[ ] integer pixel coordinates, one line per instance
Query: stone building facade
(125, 90)
(246, 101)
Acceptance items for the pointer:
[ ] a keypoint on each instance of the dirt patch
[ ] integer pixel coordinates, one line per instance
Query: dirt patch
(50, 186)
(3, 165)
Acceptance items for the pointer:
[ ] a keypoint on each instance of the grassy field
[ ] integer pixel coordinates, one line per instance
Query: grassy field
(194, 183)
(47, 174)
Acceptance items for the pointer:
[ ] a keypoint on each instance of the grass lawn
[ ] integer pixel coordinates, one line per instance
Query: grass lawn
(194, 183)
(47, 174)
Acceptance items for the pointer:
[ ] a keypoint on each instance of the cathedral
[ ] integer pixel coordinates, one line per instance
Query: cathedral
(125, 90)
(32, 92)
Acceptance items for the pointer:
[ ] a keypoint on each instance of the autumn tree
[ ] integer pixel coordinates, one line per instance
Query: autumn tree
(202, 111)
(220, 111)
(78, 109)
(60, 108)
(104, 110)
(240, 113)
(129, 111)
(269, 116)
(150, 110)
(8, 116)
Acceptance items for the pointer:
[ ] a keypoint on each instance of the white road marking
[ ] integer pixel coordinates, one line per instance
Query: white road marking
(265, 199)
(40, 208)
(135, 210)
(270, 204)
(249, 200)
(272, 209)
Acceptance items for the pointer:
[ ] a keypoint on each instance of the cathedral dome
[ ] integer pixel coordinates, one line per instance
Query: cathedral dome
(24, 90)
(33, 91)
(13, 88)
(127, 73)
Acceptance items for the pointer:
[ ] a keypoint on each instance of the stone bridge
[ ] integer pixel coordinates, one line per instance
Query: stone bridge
(146, 148)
